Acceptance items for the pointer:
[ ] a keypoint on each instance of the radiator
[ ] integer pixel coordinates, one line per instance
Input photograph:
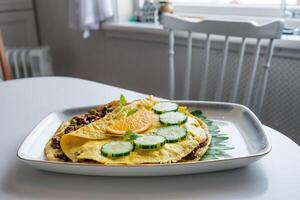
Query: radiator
(29, 62)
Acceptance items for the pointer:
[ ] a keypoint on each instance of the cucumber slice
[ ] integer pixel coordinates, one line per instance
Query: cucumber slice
(172, 118)
(172, 134)
(117, 149)
(150, 142)
(163, 107)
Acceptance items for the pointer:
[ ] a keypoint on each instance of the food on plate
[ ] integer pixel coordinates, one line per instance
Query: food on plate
(143, 131)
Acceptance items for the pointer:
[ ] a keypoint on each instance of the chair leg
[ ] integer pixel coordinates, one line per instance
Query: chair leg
(3, 61)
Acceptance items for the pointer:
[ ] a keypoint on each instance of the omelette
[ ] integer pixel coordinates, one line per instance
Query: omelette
(144, 131)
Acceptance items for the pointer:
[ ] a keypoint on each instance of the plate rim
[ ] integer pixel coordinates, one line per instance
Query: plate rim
(264, 152)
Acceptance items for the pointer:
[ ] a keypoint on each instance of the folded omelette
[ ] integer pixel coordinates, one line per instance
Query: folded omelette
(144, 131)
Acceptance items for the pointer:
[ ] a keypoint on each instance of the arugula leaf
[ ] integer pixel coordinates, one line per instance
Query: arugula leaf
(122, 100)
(217, 153)
(221, 135)
(209, 157)
(208, 122)
(213, 128)
(218, 140)
(130, 136)
(132, 111)
(218, 144)
(197, 113)
(214, 152)
(221, 148)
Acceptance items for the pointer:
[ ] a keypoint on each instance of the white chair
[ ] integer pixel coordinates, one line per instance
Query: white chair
(227, 28)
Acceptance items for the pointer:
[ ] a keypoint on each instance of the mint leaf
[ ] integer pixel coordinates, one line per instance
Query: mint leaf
(130, 136)
(122, 100)
(132, 111)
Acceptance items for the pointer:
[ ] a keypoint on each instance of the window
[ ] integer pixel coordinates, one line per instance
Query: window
(257, 8)
(239, 2)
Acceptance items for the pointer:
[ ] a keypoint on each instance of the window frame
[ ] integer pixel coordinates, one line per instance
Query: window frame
(194, 9)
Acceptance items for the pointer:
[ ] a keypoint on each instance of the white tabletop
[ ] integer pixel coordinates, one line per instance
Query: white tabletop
(23, 103)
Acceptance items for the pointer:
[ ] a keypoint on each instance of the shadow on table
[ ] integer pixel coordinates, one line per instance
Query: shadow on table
(27, 182)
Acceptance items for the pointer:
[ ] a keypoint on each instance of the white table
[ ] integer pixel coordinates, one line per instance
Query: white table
(24, 102)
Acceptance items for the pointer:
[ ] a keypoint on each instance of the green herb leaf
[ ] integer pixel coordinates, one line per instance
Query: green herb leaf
(208, 122)
(214, 133)
(218, 140)
(213, 128)
(130, 136)
(221, 135)
(197, 113)
(122, 100)
(218, 145)
(221, 148)
(209, 157)
(132, 111)
(213, 152)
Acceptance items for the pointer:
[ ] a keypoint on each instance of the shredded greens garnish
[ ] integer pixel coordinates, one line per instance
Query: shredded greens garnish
(218, 144)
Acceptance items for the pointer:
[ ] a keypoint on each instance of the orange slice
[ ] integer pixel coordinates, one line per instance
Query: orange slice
(138, 122)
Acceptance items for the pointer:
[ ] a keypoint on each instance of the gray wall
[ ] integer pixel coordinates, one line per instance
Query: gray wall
(141, 65)
(99, 58)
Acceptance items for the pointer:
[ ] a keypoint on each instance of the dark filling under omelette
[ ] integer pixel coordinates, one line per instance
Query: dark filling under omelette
(193, 155)
(78, 122)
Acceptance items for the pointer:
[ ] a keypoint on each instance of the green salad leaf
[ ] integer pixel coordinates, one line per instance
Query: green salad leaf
(218, 146)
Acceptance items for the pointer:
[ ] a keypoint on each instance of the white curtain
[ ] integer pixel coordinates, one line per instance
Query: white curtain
(86, 15)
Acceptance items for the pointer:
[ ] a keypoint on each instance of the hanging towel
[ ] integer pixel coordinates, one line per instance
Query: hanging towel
(86, 15)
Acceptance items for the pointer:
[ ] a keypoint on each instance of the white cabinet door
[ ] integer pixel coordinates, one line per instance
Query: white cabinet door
(18, 28)
(9, 5)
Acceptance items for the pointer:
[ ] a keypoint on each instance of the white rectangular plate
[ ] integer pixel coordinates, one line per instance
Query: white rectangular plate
(245, 130)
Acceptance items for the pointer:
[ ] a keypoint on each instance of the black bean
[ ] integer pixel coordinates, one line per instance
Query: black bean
(56, 142)
(63, 156)
(70, 129)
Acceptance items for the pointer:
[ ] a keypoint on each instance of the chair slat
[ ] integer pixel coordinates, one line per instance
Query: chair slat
(258, 102)
(171, 66)
(219, 89)
(239, 70)
(204, 73)
(229, 28)
(235, 28)
(252, 76)
(188, 69)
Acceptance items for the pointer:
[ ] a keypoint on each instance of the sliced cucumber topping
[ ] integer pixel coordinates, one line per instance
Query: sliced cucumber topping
(117, 149)
(172, 118)
(163, 107)
(172, 133)
(150, 142)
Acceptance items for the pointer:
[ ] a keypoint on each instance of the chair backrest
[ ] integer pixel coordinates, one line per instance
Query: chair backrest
(227, 28)
(3, 61)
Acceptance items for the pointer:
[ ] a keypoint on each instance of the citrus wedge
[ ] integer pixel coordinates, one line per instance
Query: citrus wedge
(138, 122)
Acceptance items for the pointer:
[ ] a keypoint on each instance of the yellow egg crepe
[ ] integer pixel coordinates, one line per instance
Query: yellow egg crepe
(83, 137)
